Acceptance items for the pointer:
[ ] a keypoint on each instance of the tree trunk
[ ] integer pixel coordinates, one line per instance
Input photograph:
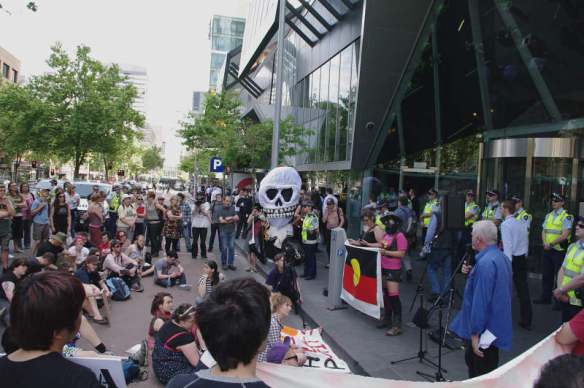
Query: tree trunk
(106, 169)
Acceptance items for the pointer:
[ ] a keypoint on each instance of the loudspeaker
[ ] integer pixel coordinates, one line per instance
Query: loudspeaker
(453, 211)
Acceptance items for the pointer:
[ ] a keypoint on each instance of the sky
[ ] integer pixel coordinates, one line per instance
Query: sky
(169, 38)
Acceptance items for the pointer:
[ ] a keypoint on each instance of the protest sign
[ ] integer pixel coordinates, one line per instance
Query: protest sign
(107, 369)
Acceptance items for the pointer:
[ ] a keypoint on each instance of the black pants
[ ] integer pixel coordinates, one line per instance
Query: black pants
(241, 226)
(327, 241)
(569, 311)
(478, 366)
(154, 237)
(199, 233)
(520, 280)
(171, 243)
(552, 262)
(214, 229)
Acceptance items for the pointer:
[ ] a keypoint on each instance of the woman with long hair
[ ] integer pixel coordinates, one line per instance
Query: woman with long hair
(172, 225)
(210, 278)
(26, 214)
(73, 200)
(161, 311)
(95, 218)
(18, 204)
(60, 215)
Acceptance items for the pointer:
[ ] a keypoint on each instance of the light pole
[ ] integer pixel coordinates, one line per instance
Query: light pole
(279, 84)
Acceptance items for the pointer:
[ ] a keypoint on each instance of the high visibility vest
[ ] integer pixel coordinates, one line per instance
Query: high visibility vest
(573, 264)
(553, 228)
(428, 210)
(468, 207)
(489, 212)
(115, 203)
(309, 224)
(378, 222)
(524, 217)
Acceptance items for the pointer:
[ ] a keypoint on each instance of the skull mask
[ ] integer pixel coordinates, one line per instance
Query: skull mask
(279, 194)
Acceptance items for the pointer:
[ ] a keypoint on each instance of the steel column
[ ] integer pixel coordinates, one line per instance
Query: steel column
(437, 101)
(528, 172)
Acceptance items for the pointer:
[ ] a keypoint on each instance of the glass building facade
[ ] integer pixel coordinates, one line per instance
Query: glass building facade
(226, 33)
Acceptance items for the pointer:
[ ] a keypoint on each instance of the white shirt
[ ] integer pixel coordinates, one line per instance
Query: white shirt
(515, 237)
(80, 255)
(200, 219)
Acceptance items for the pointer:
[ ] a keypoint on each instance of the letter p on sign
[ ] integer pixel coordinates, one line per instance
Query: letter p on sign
(216, 165)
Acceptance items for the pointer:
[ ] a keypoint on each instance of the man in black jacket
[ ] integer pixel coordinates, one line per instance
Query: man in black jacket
(244, 203)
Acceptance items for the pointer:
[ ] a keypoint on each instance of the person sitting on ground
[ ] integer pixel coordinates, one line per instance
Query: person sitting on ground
(137, 251)
(281, 306)
(47, 262)
(45, 315)
(78, 252)
(54, 245)
(168, 272)
(282, 278)
(565, 371)
(234, 347)
(175, 349)
(286, 354)
(122, 237)
(86, 243)
(161, 311)
(210, 278)
(95, 287)
(8, 283)
(105, 248)
(117, 264)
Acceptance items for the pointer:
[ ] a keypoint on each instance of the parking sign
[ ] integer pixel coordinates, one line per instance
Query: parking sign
(216, 164)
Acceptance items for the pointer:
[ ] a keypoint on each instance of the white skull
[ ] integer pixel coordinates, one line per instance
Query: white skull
(279, 194)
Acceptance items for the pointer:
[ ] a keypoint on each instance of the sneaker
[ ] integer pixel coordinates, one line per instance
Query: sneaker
(140, 356)
(232, 267)
(393, 332)
(185, 287)
(143, 375)
(137, 288)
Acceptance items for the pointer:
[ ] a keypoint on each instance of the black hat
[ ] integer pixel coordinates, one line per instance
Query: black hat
(470, 192)
(557, 197)
(257, 206)
(391, 217)
(433, 191)
(516, 198)
(493, 192)
(307, 203)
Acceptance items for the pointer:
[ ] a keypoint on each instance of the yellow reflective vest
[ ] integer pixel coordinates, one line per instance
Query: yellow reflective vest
(428, 210)
(553, 227)
(309, 224)
(468, 207)
(573, 264)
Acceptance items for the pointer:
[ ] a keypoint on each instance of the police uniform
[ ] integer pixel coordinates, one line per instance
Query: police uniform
(465, 235)
(553, 226)
(309, 243)
(573, 266)
(428, 209)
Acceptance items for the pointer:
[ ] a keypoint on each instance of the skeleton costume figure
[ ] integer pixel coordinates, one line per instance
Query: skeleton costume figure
(279, 195)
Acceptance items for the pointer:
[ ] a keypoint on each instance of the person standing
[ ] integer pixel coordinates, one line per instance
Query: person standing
(227, 218)
(26, 214)
(200, 220)
(6, 213)
(309, 240)
(215, 205)
(492, 210)
(73, 200)
(332, 217)
(571, 276)
(556, 230)
(245, 204)
(114, 204)
(96, 218)
(408, 228)
(515, 245)
(172, 225)
(18, 204)
(60, 215)
(153, 222)
(126, 217)
(486, 308)
(520, 213)
(40, 218)
(426, 215)
(185, 208)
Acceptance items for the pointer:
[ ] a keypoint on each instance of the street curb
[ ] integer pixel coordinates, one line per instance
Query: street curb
(353, 364)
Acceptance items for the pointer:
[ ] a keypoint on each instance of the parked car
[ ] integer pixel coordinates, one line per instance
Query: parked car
(84, 189)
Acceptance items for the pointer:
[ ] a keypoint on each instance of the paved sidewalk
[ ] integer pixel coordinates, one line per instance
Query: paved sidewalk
(368, 351)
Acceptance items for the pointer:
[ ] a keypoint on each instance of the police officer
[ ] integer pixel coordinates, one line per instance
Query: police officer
(520, 213)
(426, 215)
(309, 239)
(515, 239)
(555, 233)
(492, 210)
(114, 203)
(571, 275)
(471, 215)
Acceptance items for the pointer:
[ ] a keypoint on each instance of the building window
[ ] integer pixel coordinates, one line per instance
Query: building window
(6, 71)
(15, 76)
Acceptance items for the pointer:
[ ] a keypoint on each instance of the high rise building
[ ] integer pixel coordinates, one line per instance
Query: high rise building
(10, 67)
(137, 76)
(198, 102)
(226, 33)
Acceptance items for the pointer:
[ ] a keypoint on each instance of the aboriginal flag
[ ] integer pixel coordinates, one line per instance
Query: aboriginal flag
(362, 280)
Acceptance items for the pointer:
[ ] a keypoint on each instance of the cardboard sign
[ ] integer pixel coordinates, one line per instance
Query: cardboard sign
(108, 370)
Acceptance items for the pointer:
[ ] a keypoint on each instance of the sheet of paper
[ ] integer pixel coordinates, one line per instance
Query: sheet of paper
(486, 339)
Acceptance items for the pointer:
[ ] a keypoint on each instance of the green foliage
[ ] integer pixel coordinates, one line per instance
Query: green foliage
(241, 143)
(91, 107)
(200, 158)
(152, 159)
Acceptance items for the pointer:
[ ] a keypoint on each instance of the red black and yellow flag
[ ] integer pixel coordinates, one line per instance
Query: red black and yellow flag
(362, 280)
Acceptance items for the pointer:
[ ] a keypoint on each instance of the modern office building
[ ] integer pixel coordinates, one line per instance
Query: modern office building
(10, 66)
(225, 33)
(478, 94)
(198, 103)
(137, 76)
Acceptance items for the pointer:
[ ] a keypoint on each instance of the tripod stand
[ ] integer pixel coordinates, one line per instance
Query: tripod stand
(421, 355)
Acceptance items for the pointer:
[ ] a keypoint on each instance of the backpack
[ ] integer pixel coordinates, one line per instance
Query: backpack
(119, 289)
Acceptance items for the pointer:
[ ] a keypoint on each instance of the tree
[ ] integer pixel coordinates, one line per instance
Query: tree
(151, 159)
(91, 104)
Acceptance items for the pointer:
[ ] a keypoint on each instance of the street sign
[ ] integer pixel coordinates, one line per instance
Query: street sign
(216, 164)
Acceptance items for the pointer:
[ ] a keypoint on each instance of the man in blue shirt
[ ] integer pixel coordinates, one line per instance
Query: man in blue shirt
(40, 218)
(485, 321)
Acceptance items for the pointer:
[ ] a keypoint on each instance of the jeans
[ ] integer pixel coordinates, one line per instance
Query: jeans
(552, 262)
(169, 282)
(154, 237)
(519, 265)
(199, 233)
(439, 258)
(309, 260)
(186, 233)
(478, 366)
(227, 241)
(27, 231)
(214, 229)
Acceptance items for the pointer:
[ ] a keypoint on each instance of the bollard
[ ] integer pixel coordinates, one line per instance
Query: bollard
(336, 268)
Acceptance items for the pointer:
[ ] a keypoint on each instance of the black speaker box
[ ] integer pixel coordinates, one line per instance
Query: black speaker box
(453, 211)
